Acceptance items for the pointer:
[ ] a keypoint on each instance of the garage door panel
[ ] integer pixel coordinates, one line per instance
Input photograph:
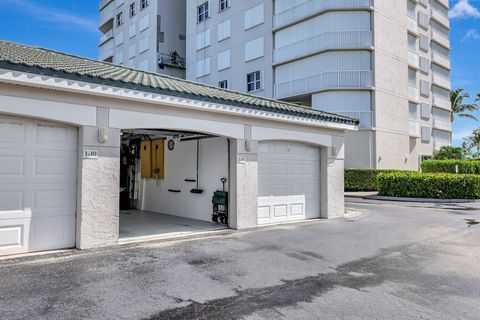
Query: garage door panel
(43, 200)
(12, 131)
(51, 233)
(11, 200)
(280, 148)
(295, 169)
(297, 209)
(21, 166)
(38, 173)
(13, 236)
(263, 169)
(264, 212)
(59, 136)
(11, 165)
(54, 165)
(291, 189)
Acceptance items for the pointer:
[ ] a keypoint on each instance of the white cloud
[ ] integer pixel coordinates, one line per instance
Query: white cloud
(50, 14)
(471, 34)
(463, 9)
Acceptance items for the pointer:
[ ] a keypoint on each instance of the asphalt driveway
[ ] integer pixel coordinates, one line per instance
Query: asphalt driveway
(384, 261)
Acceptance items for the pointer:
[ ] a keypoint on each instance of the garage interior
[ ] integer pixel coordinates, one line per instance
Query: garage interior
(170, 181)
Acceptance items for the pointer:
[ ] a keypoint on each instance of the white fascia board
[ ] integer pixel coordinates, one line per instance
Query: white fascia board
(54, 83)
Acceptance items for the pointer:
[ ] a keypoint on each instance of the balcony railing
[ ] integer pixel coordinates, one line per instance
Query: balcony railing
(437, 145)
(414, 128)
(440, 102)
(441, 81)
(365, 117)
(103, 3)
(443, 3)
(412, 24)
(325, 80)
(440, 38)
(311, 7)
(440, 18)
(413, 59)
(107, 13)
(324, 41)
(441, 60)
(106, 36)
(442, 124)
(106, 50)
(412, 93)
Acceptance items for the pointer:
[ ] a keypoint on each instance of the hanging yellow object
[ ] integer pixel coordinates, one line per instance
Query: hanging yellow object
(146, 159)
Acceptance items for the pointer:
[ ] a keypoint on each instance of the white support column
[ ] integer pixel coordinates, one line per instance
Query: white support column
(332, 184)
(98, 185)
(243, 184)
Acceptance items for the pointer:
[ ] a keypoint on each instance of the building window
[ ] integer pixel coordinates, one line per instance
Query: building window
(223, 84)
(119, 19)
(144, 4)
(224, 4)
(133, 10)
(254, 81)
(202, 12)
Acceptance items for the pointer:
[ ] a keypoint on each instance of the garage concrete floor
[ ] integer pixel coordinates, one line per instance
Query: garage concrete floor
(383, 261)
(137, 223)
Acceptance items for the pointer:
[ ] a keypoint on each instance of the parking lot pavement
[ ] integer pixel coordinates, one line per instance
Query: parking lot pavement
(385, 260)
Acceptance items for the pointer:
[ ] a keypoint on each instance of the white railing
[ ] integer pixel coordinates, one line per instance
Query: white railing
(311, 7)
(325, 80)
(103, 3)
(365, 117)
(437, 145)
(441, 38)
(441, 102)
(412, 24)
(327, 40)
(413, 59)
(106, 50)
(106, 36)
(107, 13)
(441, 81)
(443, 3)
(414, 128)
(412, 93)
(440, 18)
(442, 124)
(441, 60)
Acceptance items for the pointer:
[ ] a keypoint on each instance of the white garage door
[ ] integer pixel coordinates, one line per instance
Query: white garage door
(288, 182)
(38, 171)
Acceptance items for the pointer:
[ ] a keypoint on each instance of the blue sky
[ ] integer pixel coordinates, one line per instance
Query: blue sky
(71, 26)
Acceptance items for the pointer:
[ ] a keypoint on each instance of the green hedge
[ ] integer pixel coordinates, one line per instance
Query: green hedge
(363, 179)
(429, 185)
(448, 166)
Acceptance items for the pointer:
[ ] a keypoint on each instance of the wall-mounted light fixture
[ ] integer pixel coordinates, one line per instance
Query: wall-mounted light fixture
(248, 145)
(102, 135)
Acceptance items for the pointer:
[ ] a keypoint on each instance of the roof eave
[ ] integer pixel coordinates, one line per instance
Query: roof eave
(339, 122)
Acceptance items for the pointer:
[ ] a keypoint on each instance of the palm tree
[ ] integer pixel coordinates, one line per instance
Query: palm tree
(463, 110)
(475, 138)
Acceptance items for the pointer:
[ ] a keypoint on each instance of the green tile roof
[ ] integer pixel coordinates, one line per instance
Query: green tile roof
(47, 62)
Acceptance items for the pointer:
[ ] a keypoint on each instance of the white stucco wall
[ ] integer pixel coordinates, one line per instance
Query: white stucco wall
(180, 164)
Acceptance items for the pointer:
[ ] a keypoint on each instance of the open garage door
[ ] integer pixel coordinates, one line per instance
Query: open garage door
(168, 180)
(38, 173)
(288, 182)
